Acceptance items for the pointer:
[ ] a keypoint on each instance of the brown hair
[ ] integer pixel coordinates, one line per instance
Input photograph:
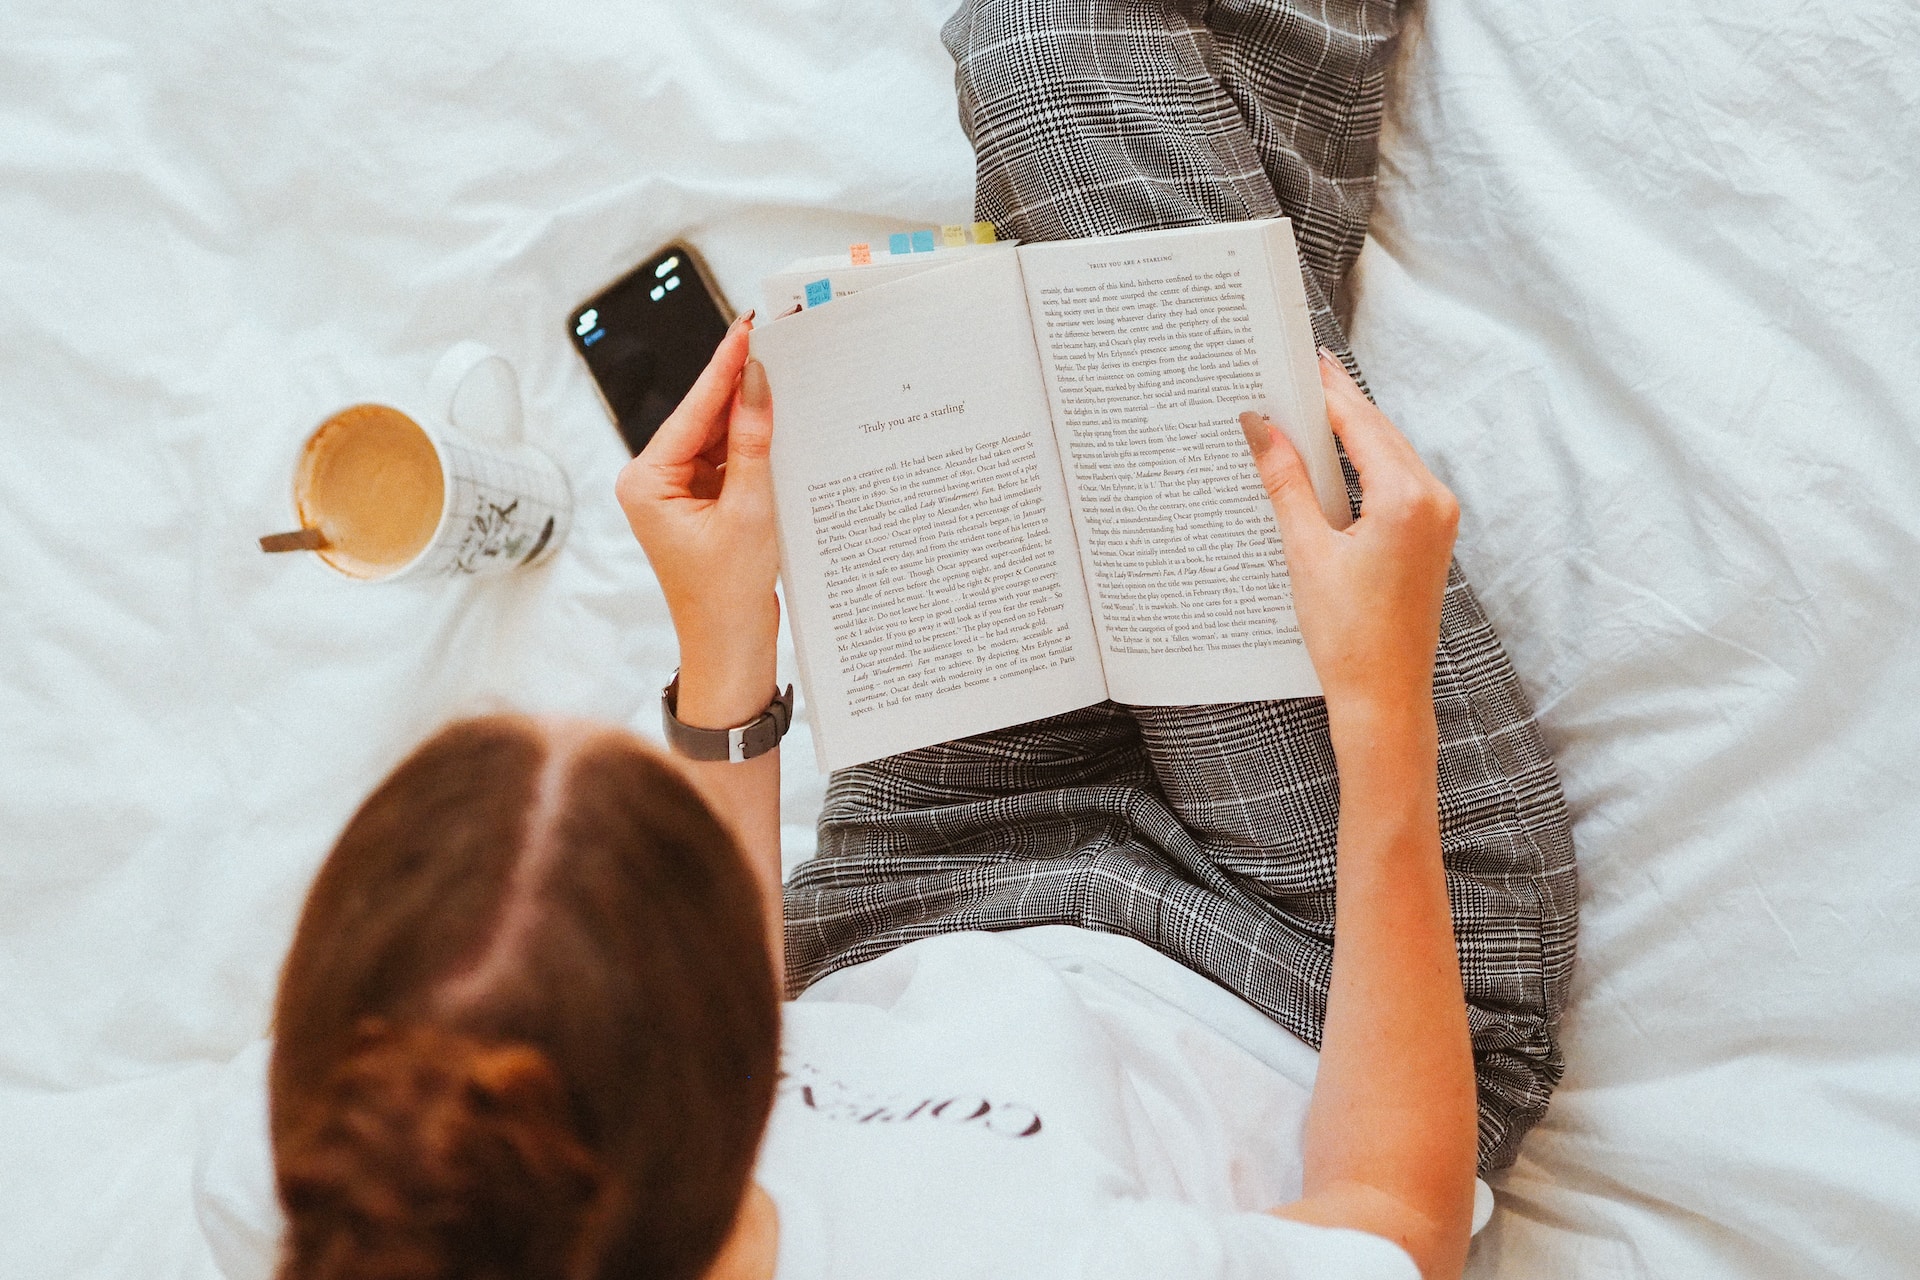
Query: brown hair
(528, 1025)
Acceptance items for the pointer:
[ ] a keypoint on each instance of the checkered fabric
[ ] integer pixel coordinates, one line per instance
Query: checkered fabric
(1206, 832)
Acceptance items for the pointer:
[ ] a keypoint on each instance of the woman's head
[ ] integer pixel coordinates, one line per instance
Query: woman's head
(528, 1025)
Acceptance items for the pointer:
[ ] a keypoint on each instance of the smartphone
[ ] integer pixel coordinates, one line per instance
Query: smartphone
(647, 336)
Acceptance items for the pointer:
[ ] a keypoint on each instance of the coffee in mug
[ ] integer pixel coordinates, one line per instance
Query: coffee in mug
(381, 493)
(371, 482)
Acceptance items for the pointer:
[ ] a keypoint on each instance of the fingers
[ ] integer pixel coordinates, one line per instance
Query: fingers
(1393, 479)
(1284, 476)
(693, 426)
(1372, 441)
(750, 441)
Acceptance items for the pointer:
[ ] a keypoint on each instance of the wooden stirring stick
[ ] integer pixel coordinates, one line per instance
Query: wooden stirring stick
(298, 540)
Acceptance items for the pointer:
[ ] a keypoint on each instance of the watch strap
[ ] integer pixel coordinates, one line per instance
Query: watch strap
(741, 743)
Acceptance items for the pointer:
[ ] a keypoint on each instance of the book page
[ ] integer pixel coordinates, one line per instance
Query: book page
(927, 552)
(1152, 346)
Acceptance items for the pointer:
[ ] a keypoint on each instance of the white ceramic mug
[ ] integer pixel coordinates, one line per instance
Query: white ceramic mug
(382, 492)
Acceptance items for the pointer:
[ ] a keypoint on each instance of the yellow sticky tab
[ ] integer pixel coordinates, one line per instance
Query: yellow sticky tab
(983, 233)
(953, 236)
(862, 254)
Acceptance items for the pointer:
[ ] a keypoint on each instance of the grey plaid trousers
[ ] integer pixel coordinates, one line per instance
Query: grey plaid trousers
(1206, 832)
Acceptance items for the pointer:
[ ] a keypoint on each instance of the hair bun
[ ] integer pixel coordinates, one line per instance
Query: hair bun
(431, 1153)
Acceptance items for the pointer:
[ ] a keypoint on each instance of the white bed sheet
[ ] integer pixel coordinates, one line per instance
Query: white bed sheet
(216, 226)
(1643, 287)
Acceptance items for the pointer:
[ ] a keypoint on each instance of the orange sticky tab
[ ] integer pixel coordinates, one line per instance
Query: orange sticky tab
(953, 236)
(862, 254)
(983, 233)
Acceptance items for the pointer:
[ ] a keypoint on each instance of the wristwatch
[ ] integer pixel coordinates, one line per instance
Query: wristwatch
(755, 738)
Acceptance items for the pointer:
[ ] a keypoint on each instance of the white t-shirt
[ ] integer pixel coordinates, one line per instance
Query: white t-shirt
(1044, 1103)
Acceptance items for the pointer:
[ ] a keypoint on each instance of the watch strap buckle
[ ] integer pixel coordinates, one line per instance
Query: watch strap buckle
(736, 745)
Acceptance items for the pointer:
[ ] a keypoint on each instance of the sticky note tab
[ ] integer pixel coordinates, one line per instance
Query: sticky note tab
(923, 241)
(899, 242)
(983, 233)
(862, 254)
(954, 236)
(820, 291)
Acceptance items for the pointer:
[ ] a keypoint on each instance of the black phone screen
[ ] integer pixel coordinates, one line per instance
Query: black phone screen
(647, 337)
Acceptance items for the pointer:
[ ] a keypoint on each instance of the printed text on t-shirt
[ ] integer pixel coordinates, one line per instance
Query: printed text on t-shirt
(838, 1100)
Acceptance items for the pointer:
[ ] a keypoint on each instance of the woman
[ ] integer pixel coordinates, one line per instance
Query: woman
(528, 1025)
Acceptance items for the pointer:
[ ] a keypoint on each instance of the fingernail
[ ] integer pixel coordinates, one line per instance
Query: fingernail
(1326, 353)
(754, 391)
(1259, 433)
(746, 319)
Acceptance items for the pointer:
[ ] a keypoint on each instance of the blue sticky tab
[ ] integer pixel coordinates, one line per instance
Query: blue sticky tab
(923, 242)
(900, 242)
(819, 291)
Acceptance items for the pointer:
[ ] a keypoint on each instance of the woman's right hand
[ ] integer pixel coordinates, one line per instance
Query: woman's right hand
(1367, 597)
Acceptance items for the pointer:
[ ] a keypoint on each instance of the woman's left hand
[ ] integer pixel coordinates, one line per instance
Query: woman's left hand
(700, 500)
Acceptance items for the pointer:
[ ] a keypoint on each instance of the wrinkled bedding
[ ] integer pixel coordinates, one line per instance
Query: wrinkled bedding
(1642, 286)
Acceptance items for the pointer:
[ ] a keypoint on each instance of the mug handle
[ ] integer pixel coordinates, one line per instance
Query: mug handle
(478, 392)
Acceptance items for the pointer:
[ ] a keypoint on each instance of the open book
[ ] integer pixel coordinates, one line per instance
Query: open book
(1012, 482)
